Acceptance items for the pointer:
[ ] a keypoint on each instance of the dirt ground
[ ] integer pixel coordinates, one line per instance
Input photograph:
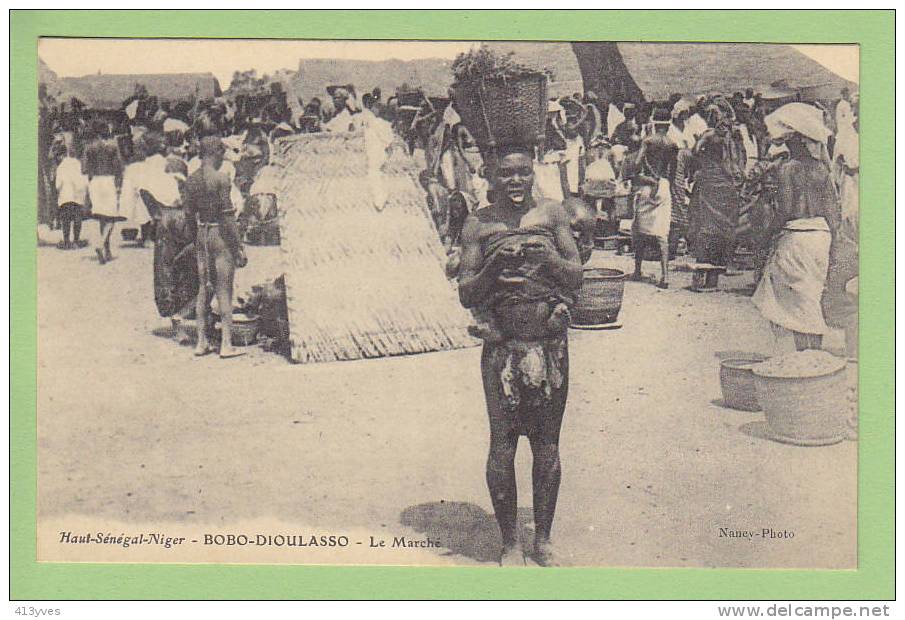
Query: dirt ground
(135, 434)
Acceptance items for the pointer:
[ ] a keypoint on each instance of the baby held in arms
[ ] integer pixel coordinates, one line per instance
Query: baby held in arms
(527, 304)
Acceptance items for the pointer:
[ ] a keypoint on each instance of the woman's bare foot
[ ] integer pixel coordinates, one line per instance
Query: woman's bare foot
(512, 556)
(203, 349)
(545, 554)
(226, 353)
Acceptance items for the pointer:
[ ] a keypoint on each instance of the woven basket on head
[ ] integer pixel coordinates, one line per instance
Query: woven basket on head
(361, 281)
(504, 111)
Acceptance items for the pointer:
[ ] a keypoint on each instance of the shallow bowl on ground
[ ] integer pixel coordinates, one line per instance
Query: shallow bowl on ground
(737, 382)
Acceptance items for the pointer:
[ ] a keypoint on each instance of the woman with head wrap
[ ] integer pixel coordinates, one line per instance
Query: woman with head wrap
(713, 211)
(807, 210)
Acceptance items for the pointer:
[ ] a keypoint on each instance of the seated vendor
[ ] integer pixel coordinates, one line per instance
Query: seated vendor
(520, 266)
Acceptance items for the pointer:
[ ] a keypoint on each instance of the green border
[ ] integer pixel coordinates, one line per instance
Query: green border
(874, 30)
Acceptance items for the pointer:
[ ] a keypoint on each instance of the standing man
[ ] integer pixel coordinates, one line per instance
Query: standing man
(104, 169)
(210, 212)
(519, 260)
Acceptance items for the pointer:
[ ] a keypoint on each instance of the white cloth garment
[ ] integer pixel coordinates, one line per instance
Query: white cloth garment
(613, 119)
(547, 180)
(131, 205)
(751, 154)
(797, 117)
(680, 137)
(104, 201)
(695, 127)
(599, 178)
(653, 214)
(790, 291)
(71, 184)
(154, 178)
(573, 156)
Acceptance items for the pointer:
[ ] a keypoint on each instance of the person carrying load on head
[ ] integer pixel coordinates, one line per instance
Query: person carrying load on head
(520, 265)
(807, 215)
(211, 215)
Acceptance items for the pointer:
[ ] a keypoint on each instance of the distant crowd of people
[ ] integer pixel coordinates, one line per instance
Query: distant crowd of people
(197, 188)
(687, 173)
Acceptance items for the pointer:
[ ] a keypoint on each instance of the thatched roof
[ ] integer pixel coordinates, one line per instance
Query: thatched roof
(432, 75)
(660, 69)
(664, 68)
(108, 91)
(360, 281)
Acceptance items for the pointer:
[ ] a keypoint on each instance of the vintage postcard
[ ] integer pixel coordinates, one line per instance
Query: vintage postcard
(459, 303)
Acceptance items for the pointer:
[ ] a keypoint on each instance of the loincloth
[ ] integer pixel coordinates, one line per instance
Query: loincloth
(527, 382)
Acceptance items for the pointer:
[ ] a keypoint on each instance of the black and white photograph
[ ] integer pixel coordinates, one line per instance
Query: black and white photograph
(448, 303)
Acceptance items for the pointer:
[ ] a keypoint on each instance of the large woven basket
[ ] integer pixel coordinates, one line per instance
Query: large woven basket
(737, 383)
(600, 298)
(806, 411)
(504, 111)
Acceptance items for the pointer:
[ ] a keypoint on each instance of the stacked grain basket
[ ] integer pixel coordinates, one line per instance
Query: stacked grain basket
(363, 261)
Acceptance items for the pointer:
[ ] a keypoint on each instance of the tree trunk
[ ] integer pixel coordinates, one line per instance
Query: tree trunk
(604, 72)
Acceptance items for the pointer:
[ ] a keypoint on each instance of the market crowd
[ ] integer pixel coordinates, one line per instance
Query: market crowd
(718, 177)
(698, 175)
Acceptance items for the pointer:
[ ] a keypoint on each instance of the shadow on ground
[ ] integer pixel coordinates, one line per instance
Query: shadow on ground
(758, 429)
(463, 528)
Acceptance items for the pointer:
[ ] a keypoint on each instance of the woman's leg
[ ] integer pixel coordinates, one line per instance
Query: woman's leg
(108, 232)
(99, 243)
(638, 246)
(547, 469)
(63, 213)
(664, 262)
(76, 217)
(501, 456)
